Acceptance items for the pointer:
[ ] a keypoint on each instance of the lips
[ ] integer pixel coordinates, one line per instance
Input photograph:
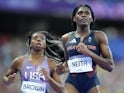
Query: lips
(84, 20)
(38, 44)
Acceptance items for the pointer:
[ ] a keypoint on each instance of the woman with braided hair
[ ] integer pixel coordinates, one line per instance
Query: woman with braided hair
(37, 68)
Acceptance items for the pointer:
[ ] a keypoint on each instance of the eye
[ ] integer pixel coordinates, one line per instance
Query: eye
(36, 37)
(83, 12)
(80, 12)
(42, 38)
(87, 13)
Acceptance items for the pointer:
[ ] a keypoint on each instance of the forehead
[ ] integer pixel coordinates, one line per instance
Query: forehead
(84, 8)
(38, 34)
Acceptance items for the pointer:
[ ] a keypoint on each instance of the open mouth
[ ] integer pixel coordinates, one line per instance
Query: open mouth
(38, 44)
(84, 20)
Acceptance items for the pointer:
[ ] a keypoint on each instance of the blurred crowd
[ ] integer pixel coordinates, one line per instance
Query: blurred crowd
(10, 48)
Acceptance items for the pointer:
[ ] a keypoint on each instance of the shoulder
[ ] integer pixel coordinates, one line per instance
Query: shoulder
(52, 63)
(98, 32)
(19, 59)
(100, 35)
(65, 37)
(17, 62)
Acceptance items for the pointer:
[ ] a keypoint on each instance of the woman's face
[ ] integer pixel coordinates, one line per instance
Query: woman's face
(83, 16)
(38, 41)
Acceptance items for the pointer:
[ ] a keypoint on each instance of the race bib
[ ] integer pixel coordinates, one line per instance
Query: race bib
(33, 87)
(80, 63)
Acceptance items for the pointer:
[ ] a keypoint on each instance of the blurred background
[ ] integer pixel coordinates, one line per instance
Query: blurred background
(18, 17)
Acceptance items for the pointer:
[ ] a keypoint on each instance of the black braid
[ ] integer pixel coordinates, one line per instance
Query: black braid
(54, 47)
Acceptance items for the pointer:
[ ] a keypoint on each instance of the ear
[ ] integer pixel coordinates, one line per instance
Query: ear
(74, 20)
(91, 19)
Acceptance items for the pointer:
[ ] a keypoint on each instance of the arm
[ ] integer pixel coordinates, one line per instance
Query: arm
(64, 39)
(53, 79)
(10, 75)
(62, 68)
(106, 60)
(56, 83)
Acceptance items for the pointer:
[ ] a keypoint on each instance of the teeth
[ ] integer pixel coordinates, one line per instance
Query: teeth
(38, 44)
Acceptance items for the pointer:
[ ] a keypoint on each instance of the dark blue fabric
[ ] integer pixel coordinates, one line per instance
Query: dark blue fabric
(82, 82)
(92, 42)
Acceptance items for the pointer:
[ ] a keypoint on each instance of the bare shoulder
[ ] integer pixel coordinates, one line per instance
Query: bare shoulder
(100, 35)
(52, 63)
(98, 32)
(19, 59)
(17, 62)
(66, 36)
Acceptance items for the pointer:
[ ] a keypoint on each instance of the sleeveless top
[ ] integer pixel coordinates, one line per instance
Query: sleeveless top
(31, 80)
(91, 44)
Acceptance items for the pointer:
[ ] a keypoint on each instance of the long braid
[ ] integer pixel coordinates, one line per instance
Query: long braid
(54, 47)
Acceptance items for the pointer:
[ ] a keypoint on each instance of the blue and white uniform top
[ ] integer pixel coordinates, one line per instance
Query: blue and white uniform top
(77, 62)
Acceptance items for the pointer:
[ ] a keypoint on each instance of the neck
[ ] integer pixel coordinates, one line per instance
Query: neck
(36, 59)
(37, 54)
(83, 30)
(37, 51)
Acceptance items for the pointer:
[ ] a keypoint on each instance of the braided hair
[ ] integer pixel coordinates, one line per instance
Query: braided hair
(54, 47)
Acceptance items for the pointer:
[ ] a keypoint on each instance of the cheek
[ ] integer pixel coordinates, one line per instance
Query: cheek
(44, 44)
(31, 43)
(91, 19)
(73, 19)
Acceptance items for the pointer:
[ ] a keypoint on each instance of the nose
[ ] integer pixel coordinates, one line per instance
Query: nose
(83, 14)
(39, 39)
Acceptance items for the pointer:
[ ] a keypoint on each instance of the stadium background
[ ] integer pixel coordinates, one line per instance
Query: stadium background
(18, 17)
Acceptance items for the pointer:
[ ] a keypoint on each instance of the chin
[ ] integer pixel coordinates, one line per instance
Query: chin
(84, 25)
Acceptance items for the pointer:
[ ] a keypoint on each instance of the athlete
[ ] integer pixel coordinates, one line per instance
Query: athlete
(37, 68)
(84, 50)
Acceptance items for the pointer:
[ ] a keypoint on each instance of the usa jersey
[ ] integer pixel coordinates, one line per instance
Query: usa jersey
(31, 80)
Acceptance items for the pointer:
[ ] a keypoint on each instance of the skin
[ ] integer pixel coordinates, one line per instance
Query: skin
(83, 19)
(38, 45)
